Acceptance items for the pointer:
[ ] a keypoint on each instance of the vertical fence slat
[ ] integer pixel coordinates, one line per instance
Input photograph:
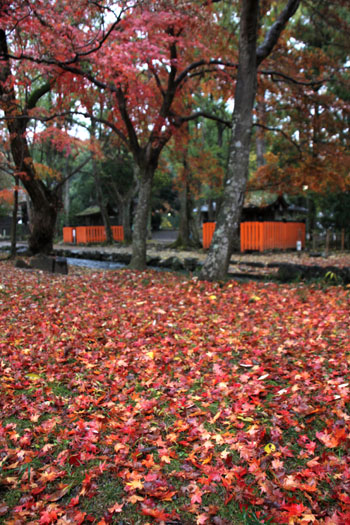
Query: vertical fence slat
(207, 234)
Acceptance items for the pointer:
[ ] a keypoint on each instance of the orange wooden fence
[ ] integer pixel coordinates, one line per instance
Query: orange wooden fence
(208, 231)
(263, 236)
(90, 234)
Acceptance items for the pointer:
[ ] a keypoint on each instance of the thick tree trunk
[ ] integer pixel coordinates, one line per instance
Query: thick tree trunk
(42, 228)
(216, 264)
(45, 203)
(260, 134)
(144, 174)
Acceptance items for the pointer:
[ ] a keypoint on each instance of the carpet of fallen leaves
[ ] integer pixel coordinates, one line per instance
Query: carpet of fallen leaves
(147, 397)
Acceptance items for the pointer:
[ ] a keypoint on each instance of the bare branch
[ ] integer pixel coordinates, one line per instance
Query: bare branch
(198, 114)
(200, 63)
(70, 175)
(275, 31)
(292, 80)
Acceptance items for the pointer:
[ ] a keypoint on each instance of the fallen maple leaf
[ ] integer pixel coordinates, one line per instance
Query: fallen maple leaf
(117, 507)
(135, 484)
(328, 439)
(157, 514)
(58, 494)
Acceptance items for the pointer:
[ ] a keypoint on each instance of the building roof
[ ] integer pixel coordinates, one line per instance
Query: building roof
(91, 210)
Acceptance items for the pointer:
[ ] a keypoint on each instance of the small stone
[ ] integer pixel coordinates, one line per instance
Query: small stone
(61, 265)
(42, 262)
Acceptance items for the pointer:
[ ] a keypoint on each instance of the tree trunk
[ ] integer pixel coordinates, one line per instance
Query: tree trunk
(66, 196)
(126, 219)
(144, 174)
(260, 134)
(14, 220)
(183, 238)
(102, 206)
(42, 228)
(124, 207)
(216, 264)
(45, 203)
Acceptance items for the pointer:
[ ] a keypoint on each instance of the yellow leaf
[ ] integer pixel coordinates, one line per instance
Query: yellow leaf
(119, 446)
(135, 484)
(246, 419)
(270, 447)
(32, 376)
(255, 298)
(207, 459)
(150, 354)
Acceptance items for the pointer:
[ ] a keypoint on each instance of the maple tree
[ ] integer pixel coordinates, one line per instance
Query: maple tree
(140, 64)
(32, 28)
(152, 397)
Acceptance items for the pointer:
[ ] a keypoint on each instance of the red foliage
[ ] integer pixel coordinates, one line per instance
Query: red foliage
(172, 388)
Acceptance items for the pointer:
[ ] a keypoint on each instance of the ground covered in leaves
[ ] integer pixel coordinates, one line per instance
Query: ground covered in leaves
(147, 397)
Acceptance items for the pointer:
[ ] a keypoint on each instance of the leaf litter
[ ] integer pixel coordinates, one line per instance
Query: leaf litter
(148, 396)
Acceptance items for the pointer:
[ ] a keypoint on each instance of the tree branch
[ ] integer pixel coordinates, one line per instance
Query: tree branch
(275, 31)
(36, 95)
(200, 63)
(180, 120)
(76, 170)
(285, 135)
(287, 78)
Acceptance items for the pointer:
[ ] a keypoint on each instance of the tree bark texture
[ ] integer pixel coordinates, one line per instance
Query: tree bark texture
(250, 57)
(216, 264)
(144, 174)
(260, 134)
(45, 204)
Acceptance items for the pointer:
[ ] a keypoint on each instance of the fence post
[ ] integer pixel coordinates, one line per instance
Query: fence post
(327, 242)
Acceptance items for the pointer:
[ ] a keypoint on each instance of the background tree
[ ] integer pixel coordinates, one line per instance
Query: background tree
(41, 31)
(118, 179)
(250, 57)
